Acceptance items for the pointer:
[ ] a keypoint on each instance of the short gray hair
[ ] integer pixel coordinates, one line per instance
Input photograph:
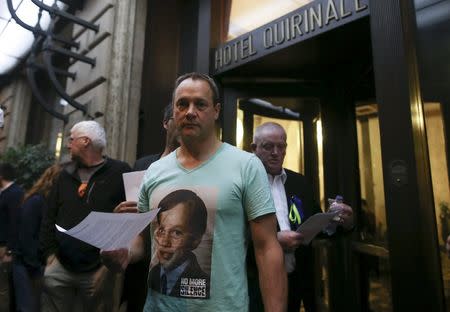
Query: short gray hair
(266, 126)
(93, 131)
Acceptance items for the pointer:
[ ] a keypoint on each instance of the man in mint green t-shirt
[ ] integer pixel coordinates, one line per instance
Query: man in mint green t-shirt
(197, 265)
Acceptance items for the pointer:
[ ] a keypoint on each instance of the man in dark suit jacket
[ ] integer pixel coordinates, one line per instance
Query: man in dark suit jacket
(301, 280)
(293, 198)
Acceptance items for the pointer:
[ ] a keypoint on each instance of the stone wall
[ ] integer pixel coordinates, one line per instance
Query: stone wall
(15, 98)
(111, 89)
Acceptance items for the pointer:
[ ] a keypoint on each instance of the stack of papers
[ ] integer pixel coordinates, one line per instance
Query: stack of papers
(110, 231)
(315, 224)
(132, 182)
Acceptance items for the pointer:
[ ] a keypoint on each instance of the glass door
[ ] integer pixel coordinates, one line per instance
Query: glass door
(436, 139)
(371, 244)
(301, 120)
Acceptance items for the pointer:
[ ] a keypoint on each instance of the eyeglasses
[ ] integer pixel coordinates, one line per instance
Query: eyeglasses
(269, 147)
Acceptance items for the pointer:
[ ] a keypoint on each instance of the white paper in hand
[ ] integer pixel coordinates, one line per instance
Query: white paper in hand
(314, 225)
(132, 182)
(110, 231)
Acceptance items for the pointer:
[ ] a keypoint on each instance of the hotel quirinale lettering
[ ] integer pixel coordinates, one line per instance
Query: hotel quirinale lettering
(304, 22)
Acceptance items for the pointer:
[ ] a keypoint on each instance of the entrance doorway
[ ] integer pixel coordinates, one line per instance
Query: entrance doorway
(339, 147)
(319, 133)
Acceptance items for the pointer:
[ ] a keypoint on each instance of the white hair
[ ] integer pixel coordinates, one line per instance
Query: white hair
(93, 131)
(267, 126)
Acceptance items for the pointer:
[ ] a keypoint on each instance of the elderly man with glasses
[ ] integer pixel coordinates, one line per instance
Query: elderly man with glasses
(294, 204)
(74, 275)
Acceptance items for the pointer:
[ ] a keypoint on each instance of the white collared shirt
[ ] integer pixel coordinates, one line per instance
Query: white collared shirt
(281, 206)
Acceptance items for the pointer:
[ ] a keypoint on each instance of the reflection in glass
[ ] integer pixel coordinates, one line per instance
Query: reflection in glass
(321, 275)
(319, 142)
(372, 218)
(240, 129)
(375, 284)
(439, 176)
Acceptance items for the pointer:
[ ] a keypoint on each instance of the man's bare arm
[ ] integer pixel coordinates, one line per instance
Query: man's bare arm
(270, 260)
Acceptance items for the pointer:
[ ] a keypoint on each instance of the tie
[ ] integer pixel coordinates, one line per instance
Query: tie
(164, 284)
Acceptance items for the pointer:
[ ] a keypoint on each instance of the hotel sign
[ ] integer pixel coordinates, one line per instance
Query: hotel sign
(308, 21)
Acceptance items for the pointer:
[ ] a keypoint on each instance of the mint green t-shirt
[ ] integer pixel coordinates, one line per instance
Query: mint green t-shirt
(211, 275)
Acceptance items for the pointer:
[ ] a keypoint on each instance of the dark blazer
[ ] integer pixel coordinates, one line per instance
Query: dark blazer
(303, 276)
(32, 212)
(10, 200)
(297, 185)
(145, 162)
(193, 270)
(67, 208)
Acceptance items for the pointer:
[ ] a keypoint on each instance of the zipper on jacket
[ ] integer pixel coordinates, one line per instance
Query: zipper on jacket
(89, 192)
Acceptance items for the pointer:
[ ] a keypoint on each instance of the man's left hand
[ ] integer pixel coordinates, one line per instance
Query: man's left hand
(5, 255)
(345, 216)
(126, 206)
(7, 259)
(98, 280)
(116, 260)
(290, 240)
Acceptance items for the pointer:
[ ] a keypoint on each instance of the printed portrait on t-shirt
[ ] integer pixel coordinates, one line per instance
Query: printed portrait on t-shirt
(182, 243)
